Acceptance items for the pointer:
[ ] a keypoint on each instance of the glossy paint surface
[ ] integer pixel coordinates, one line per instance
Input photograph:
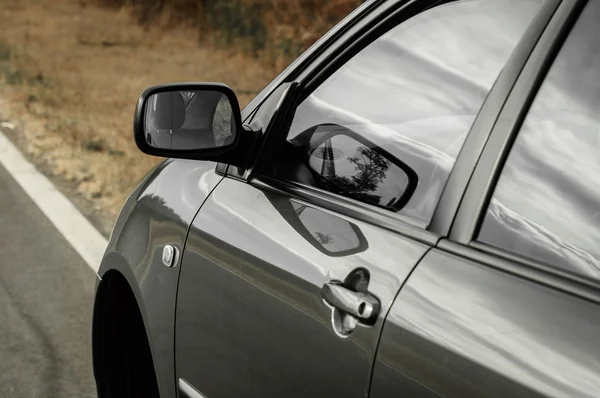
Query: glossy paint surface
(158, 213)
(462, 329)
(250, 317)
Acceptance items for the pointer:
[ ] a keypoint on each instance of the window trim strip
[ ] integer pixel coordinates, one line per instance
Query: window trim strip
(473, 206)
(485, 120)
(348, 207)
(552, 277)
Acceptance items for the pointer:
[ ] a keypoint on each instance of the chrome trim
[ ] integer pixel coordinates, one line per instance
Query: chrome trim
(186, 390)
(169, 256)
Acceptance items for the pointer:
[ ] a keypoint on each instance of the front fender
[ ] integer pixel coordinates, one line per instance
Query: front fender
(158, 212)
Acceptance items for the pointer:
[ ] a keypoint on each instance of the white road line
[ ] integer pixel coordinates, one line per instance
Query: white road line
(78, 231)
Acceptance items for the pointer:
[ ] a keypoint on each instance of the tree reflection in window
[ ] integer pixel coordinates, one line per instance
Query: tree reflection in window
(351, 169)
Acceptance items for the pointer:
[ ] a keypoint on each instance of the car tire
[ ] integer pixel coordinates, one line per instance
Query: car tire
(123, 364)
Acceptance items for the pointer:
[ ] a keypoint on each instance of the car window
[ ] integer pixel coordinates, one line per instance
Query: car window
(546, 205)
(411, 96)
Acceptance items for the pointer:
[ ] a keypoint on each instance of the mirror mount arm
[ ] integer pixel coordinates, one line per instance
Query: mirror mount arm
(246, 148)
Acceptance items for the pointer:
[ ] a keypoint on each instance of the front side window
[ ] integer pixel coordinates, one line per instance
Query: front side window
(386, 127)
(546, 205)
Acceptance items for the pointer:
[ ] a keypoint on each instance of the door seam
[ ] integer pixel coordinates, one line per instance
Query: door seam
(374, 361)
(189, 228)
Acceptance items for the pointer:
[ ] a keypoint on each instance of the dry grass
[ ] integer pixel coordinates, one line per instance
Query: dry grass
(72, 74)
(276, 30)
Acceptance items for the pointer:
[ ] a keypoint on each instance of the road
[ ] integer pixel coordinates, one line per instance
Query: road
(46, 298)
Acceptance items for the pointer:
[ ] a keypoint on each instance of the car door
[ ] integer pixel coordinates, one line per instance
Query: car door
(508, 306)
(290, 268)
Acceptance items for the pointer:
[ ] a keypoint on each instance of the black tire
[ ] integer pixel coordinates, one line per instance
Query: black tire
(123, 363)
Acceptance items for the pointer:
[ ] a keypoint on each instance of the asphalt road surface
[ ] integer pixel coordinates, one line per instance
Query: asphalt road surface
(46, 299)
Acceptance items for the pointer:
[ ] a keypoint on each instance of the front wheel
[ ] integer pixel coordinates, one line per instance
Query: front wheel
(123, 364)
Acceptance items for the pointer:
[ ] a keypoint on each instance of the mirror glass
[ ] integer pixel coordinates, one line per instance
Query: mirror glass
(188, 120)
(350, 168)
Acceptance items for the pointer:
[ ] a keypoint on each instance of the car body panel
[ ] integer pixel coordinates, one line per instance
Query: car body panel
(250, 317)
(462, 329)
(158, 212)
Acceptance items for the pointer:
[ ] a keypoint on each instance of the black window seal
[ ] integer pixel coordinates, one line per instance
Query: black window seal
(349, 207)
(570, 283)
(474, 204)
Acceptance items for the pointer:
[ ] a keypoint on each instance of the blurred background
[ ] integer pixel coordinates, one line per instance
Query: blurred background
(71, 72)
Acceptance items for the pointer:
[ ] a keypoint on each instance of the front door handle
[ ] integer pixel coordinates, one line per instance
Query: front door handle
(360, 305)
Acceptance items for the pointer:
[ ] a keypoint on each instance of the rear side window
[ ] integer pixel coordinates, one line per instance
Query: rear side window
(546, 205)
(386, 127)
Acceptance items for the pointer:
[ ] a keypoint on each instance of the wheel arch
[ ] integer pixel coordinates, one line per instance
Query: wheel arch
(118, 306)
(157, 213)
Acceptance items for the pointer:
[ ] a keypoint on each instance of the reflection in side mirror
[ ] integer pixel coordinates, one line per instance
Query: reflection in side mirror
(347, 164)
(331, 234)
(189, 120)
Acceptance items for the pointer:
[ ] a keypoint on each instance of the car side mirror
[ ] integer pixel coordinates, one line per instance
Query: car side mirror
(190, 120)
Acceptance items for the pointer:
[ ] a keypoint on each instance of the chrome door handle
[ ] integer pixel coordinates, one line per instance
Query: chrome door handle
(358, 304)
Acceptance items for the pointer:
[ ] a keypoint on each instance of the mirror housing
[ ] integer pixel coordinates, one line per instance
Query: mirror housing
(169, 116)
